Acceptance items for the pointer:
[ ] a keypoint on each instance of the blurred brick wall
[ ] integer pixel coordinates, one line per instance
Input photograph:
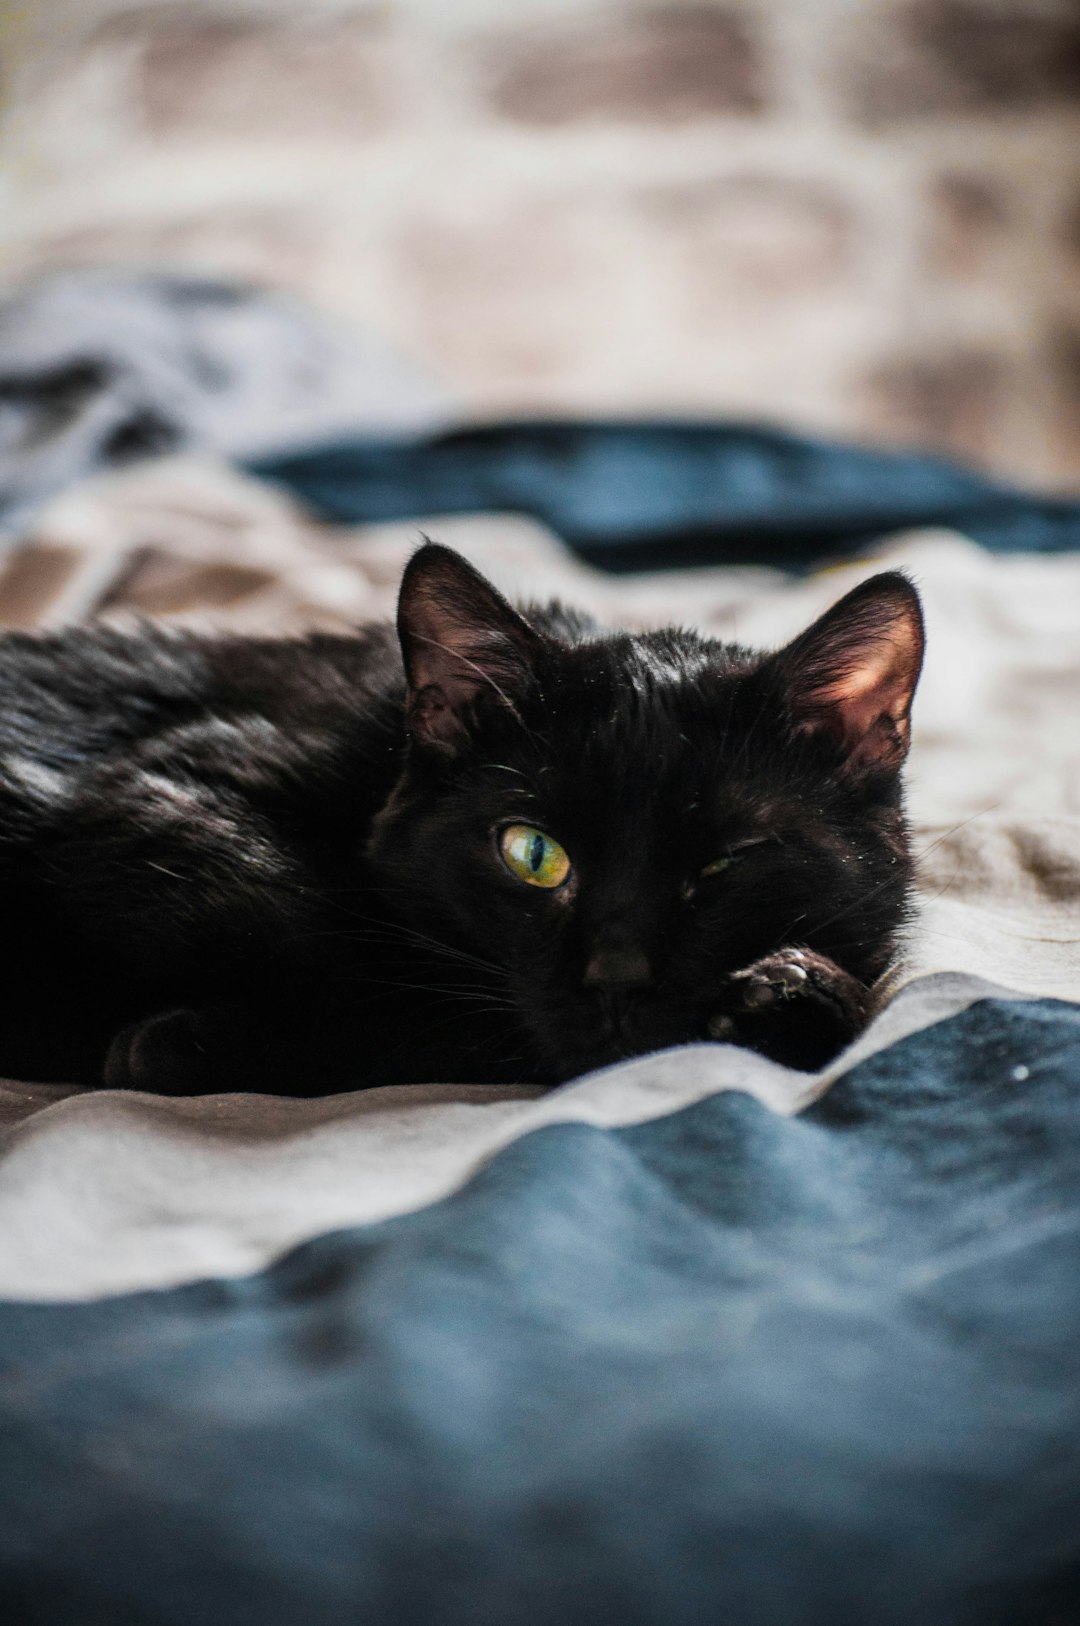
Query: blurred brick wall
(855, 215)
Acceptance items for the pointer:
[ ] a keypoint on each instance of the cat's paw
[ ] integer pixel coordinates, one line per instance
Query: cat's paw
(214, 1050)
(169, 1054)
(796, 1006)
(799, 973)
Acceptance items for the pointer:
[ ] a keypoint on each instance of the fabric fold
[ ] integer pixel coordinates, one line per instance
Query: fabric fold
(663, 495)
(724, 1364)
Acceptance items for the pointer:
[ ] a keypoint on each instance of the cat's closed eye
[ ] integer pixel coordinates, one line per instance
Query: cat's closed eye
(719, 866)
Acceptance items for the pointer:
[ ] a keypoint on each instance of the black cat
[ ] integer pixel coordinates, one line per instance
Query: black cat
(508, 847)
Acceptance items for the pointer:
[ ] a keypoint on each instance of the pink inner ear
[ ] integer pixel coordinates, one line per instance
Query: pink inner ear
(460, 640)
(853, 674)
(880, 686)
(433, 717)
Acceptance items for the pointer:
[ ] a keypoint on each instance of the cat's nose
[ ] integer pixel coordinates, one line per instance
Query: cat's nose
(618, 968)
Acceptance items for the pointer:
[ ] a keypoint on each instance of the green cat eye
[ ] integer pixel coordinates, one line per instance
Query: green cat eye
(532, 856)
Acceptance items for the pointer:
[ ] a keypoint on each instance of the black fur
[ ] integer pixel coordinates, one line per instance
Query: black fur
(237, 863)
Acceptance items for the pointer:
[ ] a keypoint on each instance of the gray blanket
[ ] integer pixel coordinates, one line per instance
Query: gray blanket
(99, 370)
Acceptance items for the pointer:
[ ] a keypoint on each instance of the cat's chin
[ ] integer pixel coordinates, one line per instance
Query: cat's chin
(593, 1040)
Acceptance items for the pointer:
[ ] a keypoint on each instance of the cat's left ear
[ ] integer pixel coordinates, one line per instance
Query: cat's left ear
(851, 676)
(461, 643)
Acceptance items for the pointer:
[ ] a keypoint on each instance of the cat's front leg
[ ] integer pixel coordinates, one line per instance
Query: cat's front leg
(210, 1051)
(794, 1006)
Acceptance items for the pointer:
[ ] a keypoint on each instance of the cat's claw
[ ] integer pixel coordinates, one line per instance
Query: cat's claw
(778, 976)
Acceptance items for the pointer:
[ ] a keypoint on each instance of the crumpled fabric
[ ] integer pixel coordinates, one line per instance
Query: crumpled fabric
(722, 1366)
(98, 370)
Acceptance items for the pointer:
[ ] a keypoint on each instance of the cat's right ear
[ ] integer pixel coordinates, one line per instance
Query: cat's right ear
(850, 678)
(461, 642)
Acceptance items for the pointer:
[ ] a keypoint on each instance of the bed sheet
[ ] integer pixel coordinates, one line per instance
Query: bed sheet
(688, 1339)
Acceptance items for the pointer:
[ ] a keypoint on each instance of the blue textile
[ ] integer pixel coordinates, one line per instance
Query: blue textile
(720, 1367)
(635, 496)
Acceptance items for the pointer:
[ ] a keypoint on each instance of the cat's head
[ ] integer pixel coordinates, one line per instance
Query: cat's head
(615, 822)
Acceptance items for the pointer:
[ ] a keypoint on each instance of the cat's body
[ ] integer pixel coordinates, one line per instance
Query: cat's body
(236, 863)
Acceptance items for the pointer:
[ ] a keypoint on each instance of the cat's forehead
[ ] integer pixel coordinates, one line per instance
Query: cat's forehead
(658, 725)
(653, 664)
(669, 693)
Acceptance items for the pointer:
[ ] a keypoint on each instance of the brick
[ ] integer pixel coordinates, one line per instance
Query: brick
(263, 246)
(758, 236)
(671, 64)
(1069, 226)
(951, 401)
(236, 77)
(510, 300)
(970, 216)
(963, 56)
(1065, 347)
(1064, 424)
